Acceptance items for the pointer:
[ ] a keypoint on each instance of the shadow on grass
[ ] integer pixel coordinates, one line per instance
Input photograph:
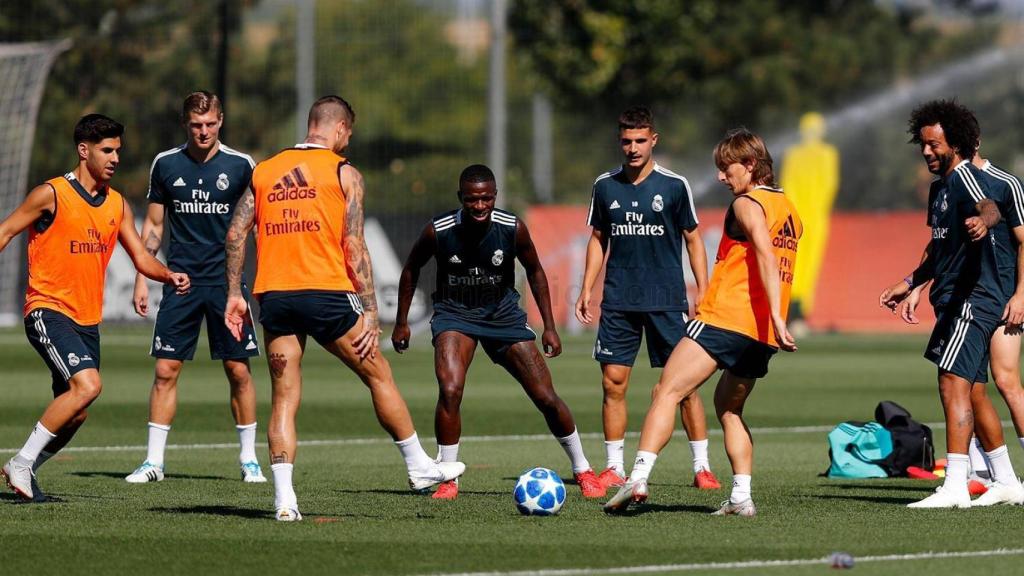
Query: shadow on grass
(383, 491)
(121, 475)
(875, 499)
(251, 513)
(15, 499)
(219, 510)
(881, 487)
(661, 508)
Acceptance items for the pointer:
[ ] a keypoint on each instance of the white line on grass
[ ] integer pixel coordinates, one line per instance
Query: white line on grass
(652, 569)
(497, 438)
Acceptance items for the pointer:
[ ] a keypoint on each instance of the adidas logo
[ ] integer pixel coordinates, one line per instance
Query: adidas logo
(455, 259)
(786, 237)
(615, 204)
(788, 228)
(293, 186)
(179, 182)
(251, 345)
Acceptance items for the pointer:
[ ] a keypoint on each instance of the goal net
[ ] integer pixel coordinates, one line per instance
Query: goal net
(23, 72)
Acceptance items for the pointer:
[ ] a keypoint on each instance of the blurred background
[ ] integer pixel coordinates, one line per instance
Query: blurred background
(533, 88)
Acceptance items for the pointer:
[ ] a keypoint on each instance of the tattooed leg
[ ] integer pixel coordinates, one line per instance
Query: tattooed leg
(956, 402)
(285, 354)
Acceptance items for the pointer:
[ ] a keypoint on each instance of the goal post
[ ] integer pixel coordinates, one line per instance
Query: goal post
(24, 68)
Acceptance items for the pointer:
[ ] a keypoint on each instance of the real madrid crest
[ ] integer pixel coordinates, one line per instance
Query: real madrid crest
(222, 182)
(498, 257)
(944, 204)
(658, 204)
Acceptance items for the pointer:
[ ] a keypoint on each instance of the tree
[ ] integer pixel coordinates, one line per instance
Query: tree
(739, 58)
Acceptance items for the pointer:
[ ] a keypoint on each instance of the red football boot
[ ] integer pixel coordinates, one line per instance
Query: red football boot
(590, 485)
(610, 478)
(705, 480)
(446, 490)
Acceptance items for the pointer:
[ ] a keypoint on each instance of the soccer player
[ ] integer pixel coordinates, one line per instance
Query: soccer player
(740, 323)
(1005, 344)
(971, 263)
(314, 278)
(73, 222)
(642, 214)
(476, 248)
(195, 187)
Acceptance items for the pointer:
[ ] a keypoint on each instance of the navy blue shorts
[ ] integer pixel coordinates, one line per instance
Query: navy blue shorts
(180, 319)
(496, 337)
(735, 352)
(619, 334)
(960, 341)
(66, 347)
(322, 314)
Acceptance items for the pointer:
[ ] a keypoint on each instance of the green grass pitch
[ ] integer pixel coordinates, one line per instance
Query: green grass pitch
(361, 519)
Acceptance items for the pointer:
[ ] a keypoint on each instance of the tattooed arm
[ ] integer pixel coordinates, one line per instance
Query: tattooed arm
(234, 246)
(152, 238)
(357, 260)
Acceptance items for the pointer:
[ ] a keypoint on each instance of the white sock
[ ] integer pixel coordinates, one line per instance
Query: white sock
(642, 465)
(979, 463)
(37, 440)
(699, 448)
(448, 452)
(957, 470)
(574, 450)
(157, 442)
(416, 460)
(616, 451)
(41, 459)
(740, 488)
(247, 443)
(284, 493)
(1002, 468)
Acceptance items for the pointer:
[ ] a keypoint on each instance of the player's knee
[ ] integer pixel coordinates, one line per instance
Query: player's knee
(614, 386)
(166, 374)
(450, 391)
(547, 401)
(1007, 381)
(238, 375)
(87, 388)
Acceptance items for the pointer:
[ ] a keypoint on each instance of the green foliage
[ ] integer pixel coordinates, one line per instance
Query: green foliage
(744, 60)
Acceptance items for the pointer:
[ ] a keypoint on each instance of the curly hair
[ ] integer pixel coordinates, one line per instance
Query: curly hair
(958, 123)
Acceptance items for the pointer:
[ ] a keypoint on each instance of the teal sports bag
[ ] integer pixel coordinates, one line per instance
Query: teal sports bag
(857, 448)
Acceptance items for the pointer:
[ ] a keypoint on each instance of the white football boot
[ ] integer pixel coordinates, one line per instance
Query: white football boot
(146, 473)
(745, 508)
(252, 473)
(438, 473)
(286, 514)
(629, 493)
(999, 493)
(943, 498)
(19, 478)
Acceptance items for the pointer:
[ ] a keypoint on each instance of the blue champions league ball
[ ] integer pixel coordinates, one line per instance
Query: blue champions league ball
(539, 492)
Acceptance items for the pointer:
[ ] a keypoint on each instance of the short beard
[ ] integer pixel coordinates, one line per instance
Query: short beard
(944, 163)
